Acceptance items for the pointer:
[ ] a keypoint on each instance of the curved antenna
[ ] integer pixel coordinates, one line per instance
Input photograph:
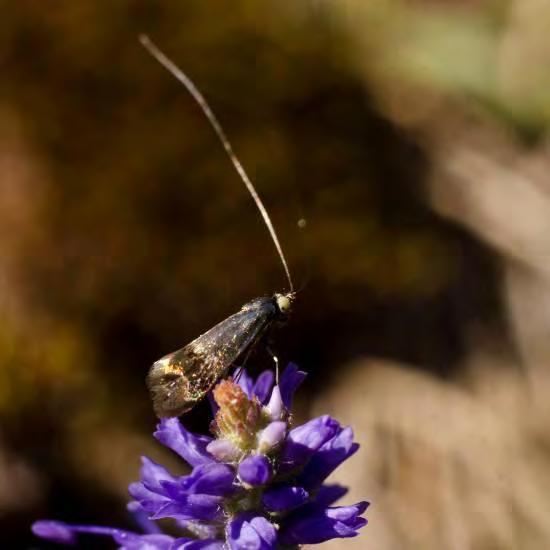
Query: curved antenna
(172, 68)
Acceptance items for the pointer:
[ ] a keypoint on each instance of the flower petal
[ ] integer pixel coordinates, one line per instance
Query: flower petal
(64, 533)
(346, 513)
(281, 499)
(132, 541)
(290, 380)
(302, 442)
(191, 447)
(194, 544)
(56, 531)
(141, 518)
(251, 532)
(148, 500)
(255, 470)
(312, 524)
(263, 385)
(209, 479)
(152, 474)
(327, 459)
(246, 383)
(199, 507)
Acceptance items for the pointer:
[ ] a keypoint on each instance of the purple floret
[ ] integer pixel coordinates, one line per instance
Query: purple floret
(314, 524)
(302, 442)
(255, 470)
(249, 530)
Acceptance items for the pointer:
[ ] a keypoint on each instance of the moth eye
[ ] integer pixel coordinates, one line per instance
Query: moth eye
(283, 303)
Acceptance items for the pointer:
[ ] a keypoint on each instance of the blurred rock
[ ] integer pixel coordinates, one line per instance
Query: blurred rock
(446, 464)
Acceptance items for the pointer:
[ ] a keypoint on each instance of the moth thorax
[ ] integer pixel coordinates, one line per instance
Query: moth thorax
(284, 302)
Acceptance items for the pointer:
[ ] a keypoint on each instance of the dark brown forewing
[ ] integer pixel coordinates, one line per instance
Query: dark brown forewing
(181, 379)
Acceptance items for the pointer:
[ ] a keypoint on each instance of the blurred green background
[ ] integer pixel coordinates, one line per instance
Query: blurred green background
(411, 136)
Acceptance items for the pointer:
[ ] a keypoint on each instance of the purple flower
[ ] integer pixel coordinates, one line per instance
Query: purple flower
(315, 524)
(302, 442)
(258, 484)
(290, 380)
(250, 530)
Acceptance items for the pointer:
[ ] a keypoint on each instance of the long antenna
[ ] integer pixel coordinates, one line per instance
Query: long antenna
(171, 67)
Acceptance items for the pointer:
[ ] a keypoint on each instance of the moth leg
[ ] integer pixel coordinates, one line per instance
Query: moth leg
(237, 373)
(239, 368)
(276, 361)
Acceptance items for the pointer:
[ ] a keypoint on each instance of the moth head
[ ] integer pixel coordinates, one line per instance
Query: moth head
(284, 302)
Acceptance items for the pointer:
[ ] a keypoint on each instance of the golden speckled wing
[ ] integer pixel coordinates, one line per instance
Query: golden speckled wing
(181, 379)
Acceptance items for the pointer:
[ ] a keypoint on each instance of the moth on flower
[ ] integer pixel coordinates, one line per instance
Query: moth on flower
(181, 379)
(259, 483)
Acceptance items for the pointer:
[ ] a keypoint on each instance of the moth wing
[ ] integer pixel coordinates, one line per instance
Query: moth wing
(182, 378)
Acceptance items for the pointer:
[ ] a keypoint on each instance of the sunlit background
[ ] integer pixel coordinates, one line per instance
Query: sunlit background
(411, 137)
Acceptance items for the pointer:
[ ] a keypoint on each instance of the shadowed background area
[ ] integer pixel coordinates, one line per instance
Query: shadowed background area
(410, 136)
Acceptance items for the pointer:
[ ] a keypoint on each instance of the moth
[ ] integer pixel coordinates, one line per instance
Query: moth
(183, 378)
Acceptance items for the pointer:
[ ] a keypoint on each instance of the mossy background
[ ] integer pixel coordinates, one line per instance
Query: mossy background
(410, 136)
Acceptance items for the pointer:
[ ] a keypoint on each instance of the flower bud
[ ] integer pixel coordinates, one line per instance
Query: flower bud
(271, 436)
(275, 407)
(238, 418)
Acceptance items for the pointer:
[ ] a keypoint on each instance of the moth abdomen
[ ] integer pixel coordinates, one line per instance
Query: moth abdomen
(169, 390)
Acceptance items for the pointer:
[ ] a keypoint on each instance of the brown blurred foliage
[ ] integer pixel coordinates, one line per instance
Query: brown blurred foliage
(411, 137)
